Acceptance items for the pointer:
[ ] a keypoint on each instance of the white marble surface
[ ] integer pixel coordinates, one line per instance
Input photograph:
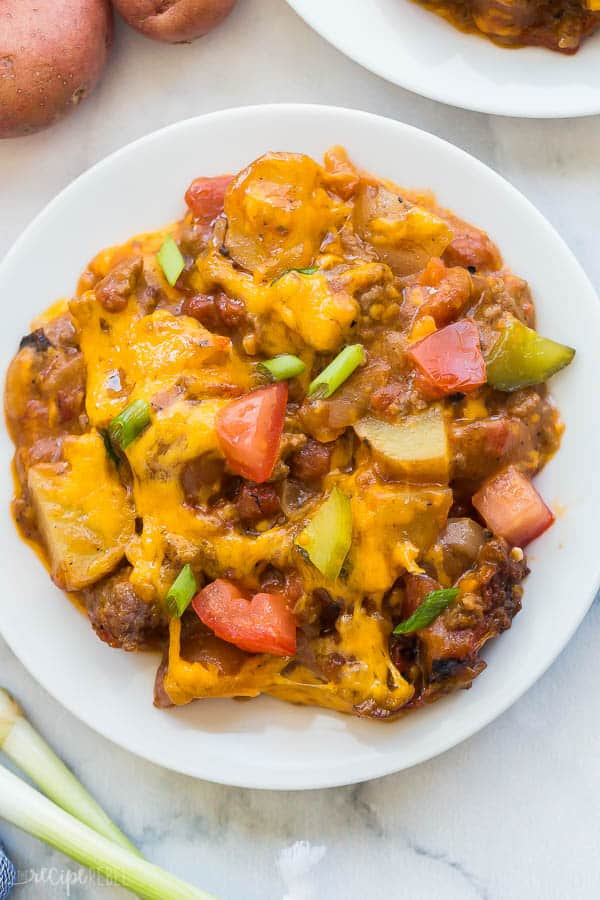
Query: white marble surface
(514, 812)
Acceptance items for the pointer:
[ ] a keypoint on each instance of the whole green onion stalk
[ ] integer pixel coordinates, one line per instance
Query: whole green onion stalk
(24, 807)
(88, 835)
(30, 752)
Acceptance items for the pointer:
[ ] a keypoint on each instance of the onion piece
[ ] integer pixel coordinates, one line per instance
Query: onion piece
(464, 536)
(24, 807)
(30, 752)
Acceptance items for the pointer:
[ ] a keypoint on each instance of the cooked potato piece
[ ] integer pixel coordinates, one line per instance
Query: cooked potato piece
(415, 448)
(309, 306)
(278, 213)
(124, 352)
(405, 236)
(393, 523)
(177, 434)
(51, 56)
(296, 309)
(83, 512)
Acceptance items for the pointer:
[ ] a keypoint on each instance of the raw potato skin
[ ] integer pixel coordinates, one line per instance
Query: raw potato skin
(174, 21)
(52, 53)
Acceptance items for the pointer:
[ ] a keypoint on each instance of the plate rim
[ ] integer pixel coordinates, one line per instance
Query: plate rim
(347, 48)
(266, 780)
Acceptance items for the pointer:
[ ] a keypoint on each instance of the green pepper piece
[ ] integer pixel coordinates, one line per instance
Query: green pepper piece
(521, 357)
(327, 537)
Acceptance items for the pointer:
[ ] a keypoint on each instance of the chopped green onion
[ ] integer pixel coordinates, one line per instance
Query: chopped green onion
(23, 806)
(25, 747)
(337, 371)
(125, 427)
(171, 261)
(310, 271)
(181, 592)
(327, 537)
(434, 603)
(110, 450)
(282, 367)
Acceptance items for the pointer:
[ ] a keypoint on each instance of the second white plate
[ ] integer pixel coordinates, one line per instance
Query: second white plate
(420, 51)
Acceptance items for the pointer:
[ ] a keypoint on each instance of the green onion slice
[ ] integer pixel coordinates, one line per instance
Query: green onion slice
(171, 261)
(282, 367)
(126, 427)
(327, 537)
(337, 371)
(181, 592)
(310, 271)
(110, 450)
(434, 603)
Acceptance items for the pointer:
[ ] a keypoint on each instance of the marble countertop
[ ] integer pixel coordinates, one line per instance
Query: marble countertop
(512, 813)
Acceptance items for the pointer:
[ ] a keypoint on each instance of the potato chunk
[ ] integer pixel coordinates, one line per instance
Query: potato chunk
(415, 448)
(296, 310)
(393, 525)
(83, 512)
(404, 236)
(278, 213)
(129, 356)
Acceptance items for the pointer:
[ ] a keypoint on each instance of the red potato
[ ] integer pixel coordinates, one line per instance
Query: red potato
(174, 21)
(52, 53)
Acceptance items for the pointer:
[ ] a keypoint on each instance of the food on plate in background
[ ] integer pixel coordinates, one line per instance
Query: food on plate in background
(178, 21)
(290, 440)
(52, 53)
(559, 25)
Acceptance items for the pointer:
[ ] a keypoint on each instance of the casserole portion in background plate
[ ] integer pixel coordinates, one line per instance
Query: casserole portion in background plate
(409, 46)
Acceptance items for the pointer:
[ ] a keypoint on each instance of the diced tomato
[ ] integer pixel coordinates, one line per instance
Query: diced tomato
(263, 624)
(249, 431)
(512, 508)
(206, 196)
(449, 297)
(450, 360)
(433, 272)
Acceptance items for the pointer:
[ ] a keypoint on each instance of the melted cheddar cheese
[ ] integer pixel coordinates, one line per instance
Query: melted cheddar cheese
(300, 259)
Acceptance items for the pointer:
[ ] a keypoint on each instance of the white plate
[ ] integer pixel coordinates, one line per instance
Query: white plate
(420, 51)
(266, 743)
